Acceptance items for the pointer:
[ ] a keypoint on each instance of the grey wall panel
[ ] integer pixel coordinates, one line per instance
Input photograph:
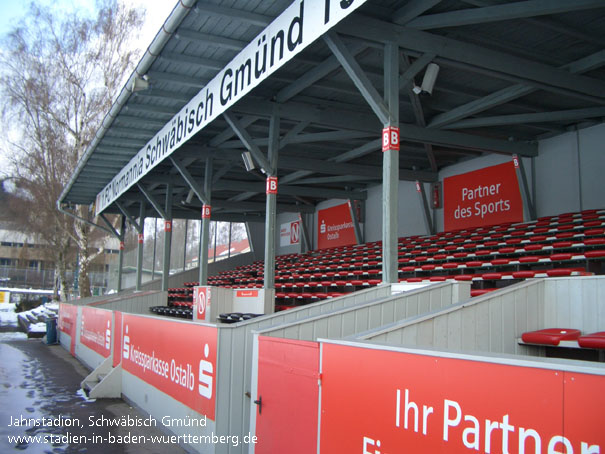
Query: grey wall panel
(360, 318)
(160, 405)
(87, 356)
(494, 322)
(136, 303)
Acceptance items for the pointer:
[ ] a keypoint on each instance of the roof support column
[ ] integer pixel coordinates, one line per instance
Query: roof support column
(121, 253)
(167, 237)
(354, 218)
(304, 233)
(390, 165)
(271, 204)
(529, 209)
(206, 214)
(141, 239)
(428, 221)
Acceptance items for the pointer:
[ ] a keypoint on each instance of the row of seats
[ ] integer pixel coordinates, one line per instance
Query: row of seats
(571, 244)
(565, 337)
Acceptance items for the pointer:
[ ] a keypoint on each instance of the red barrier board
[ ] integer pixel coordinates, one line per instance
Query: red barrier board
(335, 227)
(176, 358)
(483, 197)
(68, 319)
(391, 402)
(95, 330)
(286, 418)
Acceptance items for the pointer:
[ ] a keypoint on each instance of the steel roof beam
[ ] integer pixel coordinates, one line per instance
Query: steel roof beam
(248, 141)
(128, 133)
(199, 192)
(208, 39)
(175, 78)
(511, 93)
(319, 166)
(144, 109)
(542, 117)
(117, 150)
(255, 206)
(165, 95)
(314, 75)
(305, 138)
(324, 193)
(506, 11)
(123, 143)
(143, 123)
(338, 179)
(199, 62)
(351, 120)
(376, 30)
(151, 198)
(233, 13)
(357, 75)
(410, 70)
(413, 9)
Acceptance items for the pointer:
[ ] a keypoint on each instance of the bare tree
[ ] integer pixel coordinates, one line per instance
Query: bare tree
(61, 74)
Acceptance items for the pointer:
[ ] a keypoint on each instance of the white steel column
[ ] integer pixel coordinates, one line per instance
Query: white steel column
(390, 167)
(269, 274)
(206, 214)
(167, 237)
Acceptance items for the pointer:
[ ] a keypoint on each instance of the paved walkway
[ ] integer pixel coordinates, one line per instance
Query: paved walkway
(40, 381)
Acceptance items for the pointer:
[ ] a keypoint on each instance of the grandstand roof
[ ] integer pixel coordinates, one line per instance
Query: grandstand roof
(510, 73)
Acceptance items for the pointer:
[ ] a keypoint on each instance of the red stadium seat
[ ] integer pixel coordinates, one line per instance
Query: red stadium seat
(500, 261)
(593, 340)
(550, 336)
(594, 254)
(559, 272)
(450, 265)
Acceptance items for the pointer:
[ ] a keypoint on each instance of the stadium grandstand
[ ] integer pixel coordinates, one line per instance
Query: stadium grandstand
(420, 184)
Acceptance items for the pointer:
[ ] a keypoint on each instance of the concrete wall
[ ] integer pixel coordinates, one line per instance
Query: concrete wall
(138, 303)
(360, 318)
(286, 218)
(494, 322)
(569, 172)
(160, 405)
(410, 218)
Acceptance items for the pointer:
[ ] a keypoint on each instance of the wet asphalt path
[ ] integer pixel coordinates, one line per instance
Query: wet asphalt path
(41, 381)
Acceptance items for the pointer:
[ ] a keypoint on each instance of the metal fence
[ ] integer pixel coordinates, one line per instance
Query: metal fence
(44, 279)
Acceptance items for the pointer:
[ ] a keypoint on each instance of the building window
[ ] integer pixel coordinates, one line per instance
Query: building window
(34, 264)
(7, 262)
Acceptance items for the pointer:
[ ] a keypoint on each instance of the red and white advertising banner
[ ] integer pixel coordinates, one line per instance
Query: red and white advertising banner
(289, 233)
(95, 330)
(246, 293)
(381, 401)
(176, 358)
(483, 197)
(335, 227)
(67, 323)
(201, 302)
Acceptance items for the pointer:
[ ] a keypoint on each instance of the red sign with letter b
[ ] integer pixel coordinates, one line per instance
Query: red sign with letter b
(390, 138)
(271, 185)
